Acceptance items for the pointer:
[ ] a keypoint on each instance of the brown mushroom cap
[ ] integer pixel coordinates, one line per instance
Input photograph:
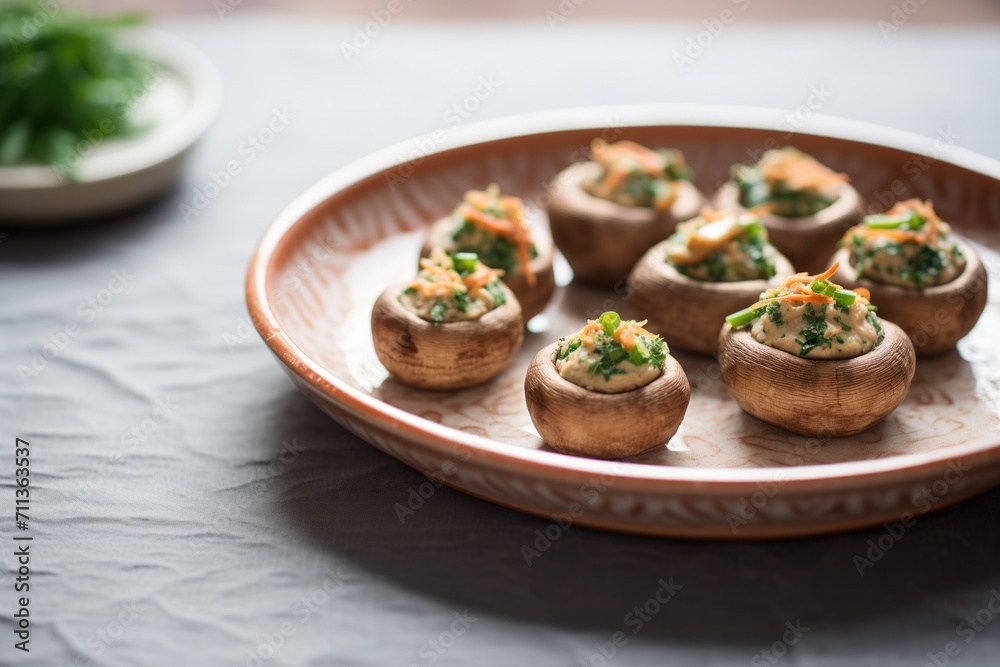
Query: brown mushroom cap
(533, 299)
(935, 318)
(574, 420)
(809, 240)
(689, 312)
(602, 240)
(817, 397)
(445, 356)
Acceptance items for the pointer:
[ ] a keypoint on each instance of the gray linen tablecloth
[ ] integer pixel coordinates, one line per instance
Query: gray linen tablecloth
(192, 508)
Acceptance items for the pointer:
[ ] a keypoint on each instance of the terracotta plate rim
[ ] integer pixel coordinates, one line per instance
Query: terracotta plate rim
(546, 463)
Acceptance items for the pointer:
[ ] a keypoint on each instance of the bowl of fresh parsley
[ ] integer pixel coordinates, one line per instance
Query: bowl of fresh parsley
(97, 114)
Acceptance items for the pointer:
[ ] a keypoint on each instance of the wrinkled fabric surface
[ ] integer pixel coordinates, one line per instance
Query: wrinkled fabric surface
(192, 508)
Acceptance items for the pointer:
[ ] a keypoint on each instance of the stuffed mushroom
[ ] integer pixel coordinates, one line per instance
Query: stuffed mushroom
(607, 212)
(610, 390)
(495, 227)
(454, 325)
(805, 205)
(933, 284)
(815, 358)
(712, 265)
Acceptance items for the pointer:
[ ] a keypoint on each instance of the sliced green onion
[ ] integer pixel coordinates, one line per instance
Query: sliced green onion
(911, 220)
(640, 353)
(610, 321)
(844, 297)
(465, 262)
(745, 316)
(616, 354)
(752, 225)
(823, 287)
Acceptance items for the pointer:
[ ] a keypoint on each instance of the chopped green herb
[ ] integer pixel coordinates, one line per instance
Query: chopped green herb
(494, 289)
(611, 354)
(437, 312)
(813, 335)
(674, 167)
(567, 349)
(786, 202)
(461, 299)
(873, 319)
(65, 79)
(773, 311)
(495, 251)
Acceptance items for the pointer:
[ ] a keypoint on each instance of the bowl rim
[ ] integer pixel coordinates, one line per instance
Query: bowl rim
(549, 464)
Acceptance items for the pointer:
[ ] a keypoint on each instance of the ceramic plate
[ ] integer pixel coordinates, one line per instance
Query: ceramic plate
(175, 104)
(320, 266)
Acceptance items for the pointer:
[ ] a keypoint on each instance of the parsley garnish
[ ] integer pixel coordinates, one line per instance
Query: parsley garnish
(773, 311)
(461, 301)
(566, 349)
(813, 335)
(437, 312)
(495, 251)
(611, 353)
(499, 298)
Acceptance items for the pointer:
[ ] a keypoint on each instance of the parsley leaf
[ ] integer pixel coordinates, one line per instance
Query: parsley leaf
(813, 335)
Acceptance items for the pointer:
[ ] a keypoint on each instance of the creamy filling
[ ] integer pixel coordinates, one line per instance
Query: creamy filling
(907, 264)
(443, 310)
(591, 364)
(736, 260)
(728, 248)
(818, 331)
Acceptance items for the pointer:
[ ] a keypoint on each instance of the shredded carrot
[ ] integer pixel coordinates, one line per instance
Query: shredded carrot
(899, 235)
(649, 160)
(709, 214)
(925, 209)
(810, 297)
(799, 170)
(800, 289)
(488, 222)
(612, 179)
(592, 325)
(806, 278)
(628, 330)
(625, 333)
(437, 277)
(623, 158)
(927, 235)
(513, 227)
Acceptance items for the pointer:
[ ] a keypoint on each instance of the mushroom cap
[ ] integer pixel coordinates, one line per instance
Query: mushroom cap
(532, 299)
(817, 397)
(809, 240)
(935, 318)
(602, 240)
(574, 420)
(689, 312)
(444, 356)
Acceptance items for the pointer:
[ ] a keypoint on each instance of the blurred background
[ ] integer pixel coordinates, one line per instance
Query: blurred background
(953, 11)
